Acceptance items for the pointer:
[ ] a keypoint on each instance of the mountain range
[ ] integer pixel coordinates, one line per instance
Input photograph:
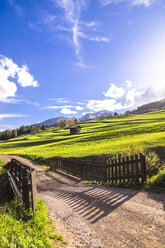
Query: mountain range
(86, 117)
(153, 106)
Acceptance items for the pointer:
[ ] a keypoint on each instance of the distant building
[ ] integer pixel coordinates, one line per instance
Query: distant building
(75, 129)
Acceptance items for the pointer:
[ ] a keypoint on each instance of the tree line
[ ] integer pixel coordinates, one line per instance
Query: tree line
(67, 123)
(13, 133)
(23, 130)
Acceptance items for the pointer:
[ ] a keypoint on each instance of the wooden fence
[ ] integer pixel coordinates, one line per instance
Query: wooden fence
(119, 170)
(22, 179)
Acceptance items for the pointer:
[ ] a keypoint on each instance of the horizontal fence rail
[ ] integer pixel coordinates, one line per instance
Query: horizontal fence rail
(22, 179)
(118, 170)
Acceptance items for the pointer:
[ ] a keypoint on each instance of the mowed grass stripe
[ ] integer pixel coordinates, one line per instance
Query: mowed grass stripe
(98, 137)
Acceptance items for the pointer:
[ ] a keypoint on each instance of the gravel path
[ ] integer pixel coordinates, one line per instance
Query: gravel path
(93, 216)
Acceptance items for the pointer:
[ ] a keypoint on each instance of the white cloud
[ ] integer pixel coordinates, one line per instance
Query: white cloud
(25, 78)
(59, 107)
(64, 107)
(114, 92)
(67, 111)
(79, 108)
(154, 92)
(2, 116)
(9, 70)
(133, 97)
(108, 104)
(128, 83)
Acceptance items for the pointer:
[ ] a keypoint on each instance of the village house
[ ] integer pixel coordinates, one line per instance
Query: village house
(75, 129)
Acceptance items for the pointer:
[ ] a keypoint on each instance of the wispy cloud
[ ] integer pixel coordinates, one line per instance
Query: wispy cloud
(59, 107)
(76, 107)
(76, 26)
(145, 3)
(71, 22)
(3, 116)
(66, 101)
(16, 7)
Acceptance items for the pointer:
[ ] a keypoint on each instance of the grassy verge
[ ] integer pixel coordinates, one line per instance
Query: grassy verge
(157, 182)
(5, 191)
(17, 228)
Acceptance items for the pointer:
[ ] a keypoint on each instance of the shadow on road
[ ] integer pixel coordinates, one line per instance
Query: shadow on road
(91, 201)
(157, 197)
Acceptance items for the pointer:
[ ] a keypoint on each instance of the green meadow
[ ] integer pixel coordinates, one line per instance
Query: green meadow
(98, 137)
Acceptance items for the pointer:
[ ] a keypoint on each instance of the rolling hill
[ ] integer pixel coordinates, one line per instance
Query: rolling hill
(98, 137)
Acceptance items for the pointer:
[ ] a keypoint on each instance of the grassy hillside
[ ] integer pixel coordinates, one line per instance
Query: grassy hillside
(98, 137)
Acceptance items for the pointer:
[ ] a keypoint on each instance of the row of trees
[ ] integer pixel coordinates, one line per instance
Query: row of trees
(68, 123)
(9, 133)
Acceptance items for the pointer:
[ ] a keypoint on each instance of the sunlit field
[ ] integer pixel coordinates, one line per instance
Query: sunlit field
(98, 137)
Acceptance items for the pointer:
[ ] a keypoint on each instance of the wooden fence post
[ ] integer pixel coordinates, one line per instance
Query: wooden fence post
(137, 167)
(143, 167)
(119, 168)
(33, 189)
(25, 190)
(105, 172)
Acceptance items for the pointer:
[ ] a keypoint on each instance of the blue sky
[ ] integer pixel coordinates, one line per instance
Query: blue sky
(70, 57)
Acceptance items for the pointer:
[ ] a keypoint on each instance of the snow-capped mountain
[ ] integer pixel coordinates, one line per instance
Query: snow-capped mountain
(51, 121)
(90, 116)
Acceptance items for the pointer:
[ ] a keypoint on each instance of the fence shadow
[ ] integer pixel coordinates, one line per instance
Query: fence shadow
(92, 202)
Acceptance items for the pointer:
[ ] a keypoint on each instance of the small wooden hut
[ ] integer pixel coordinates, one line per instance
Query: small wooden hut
(75, 129)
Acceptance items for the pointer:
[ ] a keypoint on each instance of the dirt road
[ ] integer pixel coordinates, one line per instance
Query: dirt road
(92, 216)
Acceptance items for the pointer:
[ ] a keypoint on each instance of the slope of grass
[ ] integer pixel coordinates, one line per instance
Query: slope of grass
(98, 137)
(18, 230)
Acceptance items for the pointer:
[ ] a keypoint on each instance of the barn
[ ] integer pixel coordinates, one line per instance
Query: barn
(75, 129)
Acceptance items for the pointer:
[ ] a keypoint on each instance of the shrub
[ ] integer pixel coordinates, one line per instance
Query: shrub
(157, 181)
(153, 163)
(133, 149)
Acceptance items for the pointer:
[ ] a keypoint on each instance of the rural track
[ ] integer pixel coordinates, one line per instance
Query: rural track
(92, 216)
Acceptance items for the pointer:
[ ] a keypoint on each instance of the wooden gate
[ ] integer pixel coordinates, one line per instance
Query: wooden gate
(119, 170)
